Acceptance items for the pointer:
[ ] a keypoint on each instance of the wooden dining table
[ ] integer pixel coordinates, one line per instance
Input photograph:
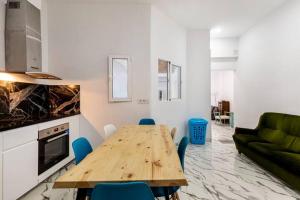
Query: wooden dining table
(144, 153)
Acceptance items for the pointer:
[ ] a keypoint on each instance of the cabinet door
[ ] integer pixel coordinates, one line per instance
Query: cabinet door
(17, 137)
(20, 170)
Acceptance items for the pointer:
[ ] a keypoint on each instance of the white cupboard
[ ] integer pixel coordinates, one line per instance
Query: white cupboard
(20, 169)
(19, 157)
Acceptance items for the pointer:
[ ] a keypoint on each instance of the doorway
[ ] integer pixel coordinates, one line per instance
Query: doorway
(224, 57)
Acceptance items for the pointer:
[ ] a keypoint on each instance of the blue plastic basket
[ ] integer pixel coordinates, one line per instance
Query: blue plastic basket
(197, 130)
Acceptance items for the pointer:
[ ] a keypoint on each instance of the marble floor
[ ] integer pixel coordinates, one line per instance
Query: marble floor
(215, 171)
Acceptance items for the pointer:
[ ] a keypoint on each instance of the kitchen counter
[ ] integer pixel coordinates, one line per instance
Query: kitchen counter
(9, 123)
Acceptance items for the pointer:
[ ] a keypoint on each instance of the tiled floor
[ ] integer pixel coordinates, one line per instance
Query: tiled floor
(215, 172)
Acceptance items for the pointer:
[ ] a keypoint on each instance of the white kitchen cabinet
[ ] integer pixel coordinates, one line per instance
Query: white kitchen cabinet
(19, 157)
(20, 170)
(19, 136)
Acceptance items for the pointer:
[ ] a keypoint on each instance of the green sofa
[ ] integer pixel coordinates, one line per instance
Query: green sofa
(274, 144)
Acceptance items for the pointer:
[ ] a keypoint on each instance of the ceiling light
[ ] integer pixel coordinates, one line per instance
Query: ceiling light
(216, 30)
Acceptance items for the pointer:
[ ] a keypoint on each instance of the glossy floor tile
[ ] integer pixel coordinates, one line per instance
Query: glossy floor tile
(215, 171)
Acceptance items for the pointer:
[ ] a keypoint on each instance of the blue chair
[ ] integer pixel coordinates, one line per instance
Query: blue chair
(124, 191)
(82, 148)
(181, 150)
(147, 121)
(166, 191)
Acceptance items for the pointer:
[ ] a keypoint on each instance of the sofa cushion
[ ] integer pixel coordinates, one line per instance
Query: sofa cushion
(265, 148)
(272, 121)
(292, 125)
(272, 136)
(290, 161)
(246, 138)
(287, 141)
(295, 146)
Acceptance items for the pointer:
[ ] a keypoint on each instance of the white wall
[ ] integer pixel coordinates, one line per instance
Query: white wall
(224, 47)
(37, 3)
(224, 53)
(168, 42)
(222, 85)
(198, 75)
(267, 77)
(82, 35)
(2, 28)
(189, 49)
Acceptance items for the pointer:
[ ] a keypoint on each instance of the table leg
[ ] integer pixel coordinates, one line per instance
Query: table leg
(81, 194)
(166, 193)
(177, 196)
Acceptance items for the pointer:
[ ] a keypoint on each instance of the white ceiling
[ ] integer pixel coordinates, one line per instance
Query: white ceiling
(226, 18)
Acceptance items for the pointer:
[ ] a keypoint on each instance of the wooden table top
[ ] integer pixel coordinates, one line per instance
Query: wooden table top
(133, 153)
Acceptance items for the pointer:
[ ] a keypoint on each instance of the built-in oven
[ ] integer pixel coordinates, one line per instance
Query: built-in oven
(53, 146)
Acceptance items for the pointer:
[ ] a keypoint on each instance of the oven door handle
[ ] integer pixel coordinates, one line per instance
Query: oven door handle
(57, 137)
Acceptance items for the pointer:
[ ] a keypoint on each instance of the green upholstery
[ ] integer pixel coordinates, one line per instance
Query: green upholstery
(289, 160)
(270, 135)
(265, 148)
(274, 144)
(288, 141)
(274, 167)
(245, 139)
(295, 145)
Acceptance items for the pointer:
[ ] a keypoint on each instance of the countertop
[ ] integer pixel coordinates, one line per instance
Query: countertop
(13, 124)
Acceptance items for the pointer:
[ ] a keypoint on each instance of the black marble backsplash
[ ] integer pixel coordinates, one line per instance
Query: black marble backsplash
(23, 104)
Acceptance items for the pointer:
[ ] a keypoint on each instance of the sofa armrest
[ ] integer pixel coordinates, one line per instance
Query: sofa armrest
(245, 131)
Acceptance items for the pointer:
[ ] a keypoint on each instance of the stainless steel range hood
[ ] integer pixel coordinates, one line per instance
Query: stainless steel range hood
(23, 45)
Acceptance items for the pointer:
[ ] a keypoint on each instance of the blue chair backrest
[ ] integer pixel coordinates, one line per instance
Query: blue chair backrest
(81, 148)
(124, 191)
(181, 150)
(147, 121)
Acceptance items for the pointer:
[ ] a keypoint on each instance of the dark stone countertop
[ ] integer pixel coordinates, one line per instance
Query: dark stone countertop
(4, 126)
